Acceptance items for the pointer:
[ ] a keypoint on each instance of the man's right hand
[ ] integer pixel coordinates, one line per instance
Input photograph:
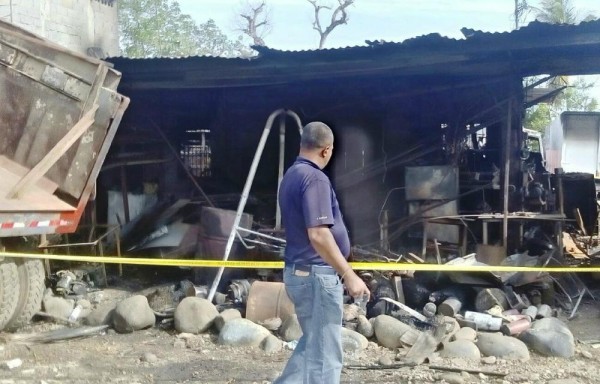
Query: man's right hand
(355, 285)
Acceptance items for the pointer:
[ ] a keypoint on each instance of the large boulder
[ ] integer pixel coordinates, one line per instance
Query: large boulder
(388, 331)
(550, 337)
(194, 315)
(225, 316)
(242, 332)
(505, 347)
(102, 315)
(133, 314)
(463, 349)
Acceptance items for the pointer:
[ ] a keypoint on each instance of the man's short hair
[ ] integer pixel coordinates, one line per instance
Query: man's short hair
(316, 135)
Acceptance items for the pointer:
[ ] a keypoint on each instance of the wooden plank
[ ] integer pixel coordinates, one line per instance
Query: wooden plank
(580, 221)
(54, 154)
(19, 170)
(571, 247)
(34, 199)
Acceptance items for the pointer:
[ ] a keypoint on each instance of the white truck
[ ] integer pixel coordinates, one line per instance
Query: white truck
(572, 143)
(59, 112)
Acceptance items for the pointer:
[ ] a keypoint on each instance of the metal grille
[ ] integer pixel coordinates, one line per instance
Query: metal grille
(196, 153)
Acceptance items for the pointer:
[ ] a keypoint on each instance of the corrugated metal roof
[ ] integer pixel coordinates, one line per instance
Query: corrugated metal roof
(538, 48)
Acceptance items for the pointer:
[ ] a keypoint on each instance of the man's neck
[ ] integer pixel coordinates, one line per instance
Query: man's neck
(313, 156)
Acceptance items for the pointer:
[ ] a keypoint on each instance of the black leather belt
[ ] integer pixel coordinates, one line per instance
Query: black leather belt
(320, 269)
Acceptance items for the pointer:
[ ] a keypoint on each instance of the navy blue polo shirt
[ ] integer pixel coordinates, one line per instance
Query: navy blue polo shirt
(307, 200)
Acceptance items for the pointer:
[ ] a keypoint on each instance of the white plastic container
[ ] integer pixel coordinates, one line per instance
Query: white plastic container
(484, 321)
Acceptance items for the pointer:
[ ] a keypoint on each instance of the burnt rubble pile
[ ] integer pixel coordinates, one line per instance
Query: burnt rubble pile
(419, 315)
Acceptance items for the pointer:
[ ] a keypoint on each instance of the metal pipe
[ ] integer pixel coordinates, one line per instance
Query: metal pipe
(246, 192)
(261, 234)
(125, 194)
(280, 174)
(506, 175)
(281, 160)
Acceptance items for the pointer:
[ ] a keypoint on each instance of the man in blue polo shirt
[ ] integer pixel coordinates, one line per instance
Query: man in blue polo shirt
(316, 253)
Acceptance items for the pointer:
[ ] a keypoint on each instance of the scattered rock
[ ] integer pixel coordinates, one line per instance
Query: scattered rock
(272, 323)
(290, 329)
(489, 360)
(587, 354)
(242, 332)
(463, 349)
(451, 327)
(388, 331)
(351, 312)
(506, 347)
(465, 333)
(225, 316)
(364, 326)
(133, 314)
(452, 378)
(57, 306)
(194, 315)
(271, 344)
(12, 364)
(149, 357)
(86, 308)
(353, 341)
(551, 337)
(564, 381)
(385, 360)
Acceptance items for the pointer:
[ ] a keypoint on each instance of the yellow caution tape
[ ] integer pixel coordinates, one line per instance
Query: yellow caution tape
(364, 266)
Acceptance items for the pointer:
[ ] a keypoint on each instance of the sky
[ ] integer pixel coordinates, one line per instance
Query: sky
(389, 20)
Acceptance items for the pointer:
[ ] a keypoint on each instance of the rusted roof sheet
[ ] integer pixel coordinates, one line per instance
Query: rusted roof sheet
(538, 48)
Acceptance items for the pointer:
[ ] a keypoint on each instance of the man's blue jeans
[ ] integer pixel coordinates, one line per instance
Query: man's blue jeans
(317, 296)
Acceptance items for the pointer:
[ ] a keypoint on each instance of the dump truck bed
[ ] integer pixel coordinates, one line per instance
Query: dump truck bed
(58, 116)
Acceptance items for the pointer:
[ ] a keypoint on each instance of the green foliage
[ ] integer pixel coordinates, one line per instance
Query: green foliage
(155, 28)
(158, 28)
(538, 117)
(211, 41)
(556, 12)
(574, 98)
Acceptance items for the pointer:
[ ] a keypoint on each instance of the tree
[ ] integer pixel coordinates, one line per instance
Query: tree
(556, 12)
(255, 21)
(522, 10)
(339, 17)
(211, 41)
(538, 117)
(156, 28)
(576, 96)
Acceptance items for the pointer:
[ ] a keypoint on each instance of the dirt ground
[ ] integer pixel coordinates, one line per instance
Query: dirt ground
(159, 356)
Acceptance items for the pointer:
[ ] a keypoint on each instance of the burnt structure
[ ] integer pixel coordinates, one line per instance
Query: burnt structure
(431, 101)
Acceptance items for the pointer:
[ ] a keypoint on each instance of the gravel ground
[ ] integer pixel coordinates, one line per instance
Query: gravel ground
(160, 356)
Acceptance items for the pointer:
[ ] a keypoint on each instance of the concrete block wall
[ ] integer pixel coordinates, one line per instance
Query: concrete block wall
(86, 26)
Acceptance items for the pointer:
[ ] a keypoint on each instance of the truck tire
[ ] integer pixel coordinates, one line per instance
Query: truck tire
(9, 290)
(32, 283)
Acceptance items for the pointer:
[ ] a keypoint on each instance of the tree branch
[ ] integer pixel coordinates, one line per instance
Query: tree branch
(338, 17)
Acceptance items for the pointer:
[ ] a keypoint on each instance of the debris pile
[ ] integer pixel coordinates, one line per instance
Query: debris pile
(485, 316)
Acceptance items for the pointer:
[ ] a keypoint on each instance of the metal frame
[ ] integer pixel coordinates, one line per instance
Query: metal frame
(246, 191)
